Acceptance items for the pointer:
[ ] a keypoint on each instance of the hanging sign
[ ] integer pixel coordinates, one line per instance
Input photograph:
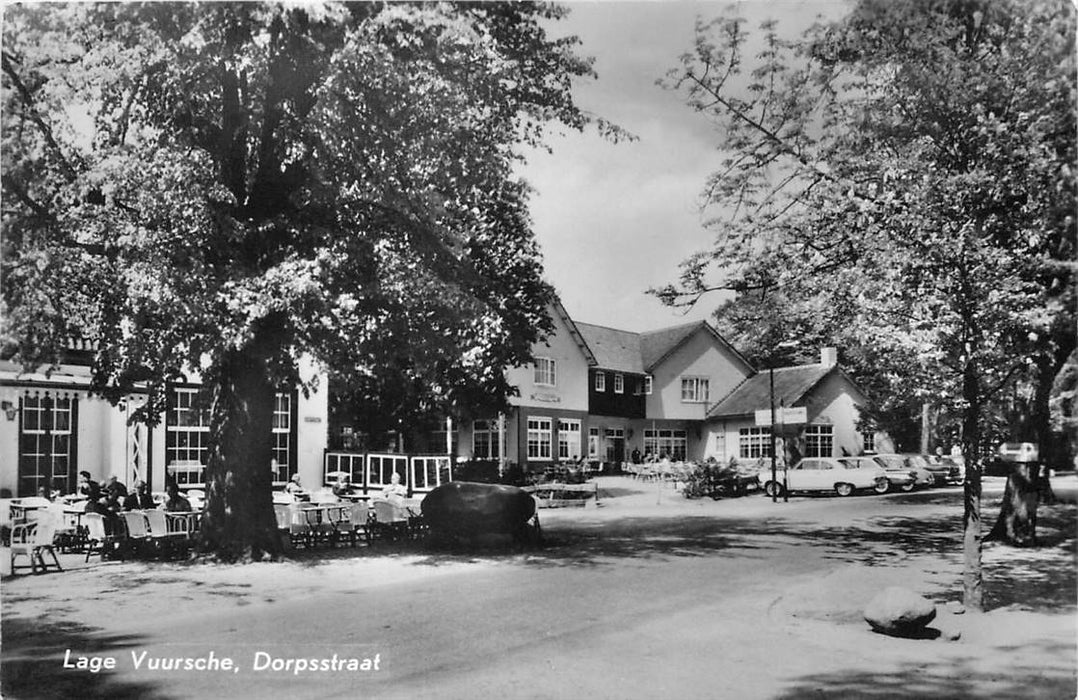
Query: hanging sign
(783, 416)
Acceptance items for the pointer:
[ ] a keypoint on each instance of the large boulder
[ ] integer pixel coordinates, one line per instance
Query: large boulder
(900, 612)
(466, 510)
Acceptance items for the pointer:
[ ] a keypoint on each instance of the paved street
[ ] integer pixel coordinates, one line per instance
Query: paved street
(648, 595)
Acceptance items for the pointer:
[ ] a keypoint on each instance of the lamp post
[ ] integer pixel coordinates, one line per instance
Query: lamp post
(784, 345)
(774, 489)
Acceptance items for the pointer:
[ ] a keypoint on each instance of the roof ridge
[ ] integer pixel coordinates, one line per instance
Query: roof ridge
(665, 329)
(607, 328)
(810, 365)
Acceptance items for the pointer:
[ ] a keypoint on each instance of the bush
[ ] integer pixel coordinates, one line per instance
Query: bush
(715, 481)
(484, 471)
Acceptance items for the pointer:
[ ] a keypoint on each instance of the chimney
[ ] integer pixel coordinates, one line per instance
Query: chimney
(829, 357)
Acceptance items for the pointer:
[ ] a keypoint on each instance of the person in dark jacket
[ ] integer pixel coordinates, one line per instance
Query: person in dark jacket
(140, 498)
(88, 487)
(115, 493)
(176, 502)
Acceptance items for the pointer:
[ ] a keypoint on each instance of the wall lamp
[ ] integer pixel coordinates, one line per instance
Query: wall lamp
(10, 410)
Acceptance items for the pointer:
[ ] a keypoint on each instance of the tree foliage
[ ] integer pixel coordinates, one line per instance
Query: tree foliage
(227, 187)
(900, 182)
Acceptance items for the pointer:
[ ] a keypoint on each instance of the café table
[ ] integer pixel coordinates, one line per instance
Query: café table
(21, 512)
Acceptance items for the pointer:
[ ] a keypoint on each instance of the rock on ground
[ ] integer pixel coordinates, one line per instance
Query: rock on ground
(899, 611)
(473, 510)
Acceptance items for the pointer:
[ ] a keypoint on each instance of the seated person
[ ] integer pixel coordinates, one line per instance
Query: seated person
(57, 489)
(343, 487)
(115, 493)
(395, 491)
(170, 477)
(115, 488)
(140, 498)
(175, 502)
(293, 486)
(88, 488)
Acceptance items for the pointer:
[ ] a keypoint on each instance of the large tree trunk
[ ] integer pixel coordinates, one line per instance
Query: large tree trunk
(1017, 522)
(1028, 484)
(239, 523)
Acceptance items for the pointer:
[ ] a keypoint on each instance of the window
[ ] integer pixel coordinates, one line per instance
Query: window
(754, 442)
(868, 442)
(647, 385)
(441, 442)
(539, 438)
(187, 431)
(187, 435)
(47, 443)
(819, 441)
(568, 439)
(546, 371)
(671, 443)
(282, 438)
(485, 440)
(593, 443)
(619, 384)
(600, 381)
(694, 389)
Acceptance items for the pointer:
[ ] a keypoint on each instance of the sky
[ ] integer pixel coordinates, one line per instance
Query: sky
(615, 219)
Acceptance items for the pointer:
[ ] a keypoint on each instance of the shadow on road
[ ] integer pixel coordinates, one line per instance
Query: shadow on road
(33, 657)
(1043, 578)
(962, 679)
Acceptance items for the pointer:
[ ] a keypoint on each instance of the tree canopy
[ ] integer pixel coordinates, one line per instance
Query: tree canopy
(900, 182)
(224, 188)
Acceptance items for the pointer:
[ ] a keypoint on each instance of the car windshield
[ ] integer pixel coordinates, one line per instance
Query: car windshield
(917, 461)
(892, 462)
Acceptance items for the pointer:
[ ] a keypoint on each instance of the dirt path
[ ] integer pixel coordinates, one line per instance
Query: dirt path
(648, 595)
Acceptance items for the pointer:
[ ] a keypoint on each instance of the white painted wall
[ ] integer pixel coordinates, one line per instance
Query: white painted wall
(833, 402)
(102, 428)
(701, 356)
(571, 388)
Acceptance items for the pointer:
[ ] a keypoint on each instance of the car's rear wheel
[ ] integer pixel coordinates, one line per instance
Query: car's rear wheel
(773, 488)
(882, 485)
(844, 489)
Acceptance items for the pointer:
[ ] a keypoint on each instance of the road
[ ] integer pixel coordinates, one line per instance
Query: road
(742, 598)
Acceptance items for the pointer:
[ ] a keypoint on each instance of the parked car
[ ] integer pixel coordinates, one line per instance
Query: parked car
(911, 463)
(897, 475)
(826, 474)
(953, 470)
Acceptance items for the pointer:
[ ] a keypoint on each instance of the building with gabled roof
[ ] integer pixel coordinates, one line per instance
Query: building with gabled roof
(606, 395)
(828, 425)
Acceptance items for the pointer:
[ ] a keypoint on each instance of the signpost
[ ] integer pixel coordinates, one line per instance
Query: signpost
(779, 416)
(1021, 452)
(782, 416)
(774, 490)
